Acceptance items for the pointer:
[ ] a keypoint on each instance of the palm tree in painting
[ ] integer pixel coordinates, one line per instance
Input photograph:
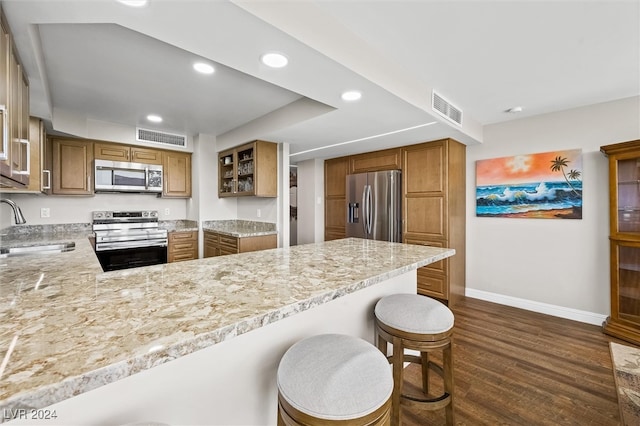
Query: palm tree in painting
(558, 165)
(574, 174)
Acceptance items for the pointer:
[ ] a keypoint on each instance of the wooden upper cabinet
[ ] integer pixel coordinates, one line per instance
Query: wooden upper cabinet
(249, 170)
(72, 167)
(424, 169)
(177, 174)
(388, 159)
(135, 154)
(335, 172)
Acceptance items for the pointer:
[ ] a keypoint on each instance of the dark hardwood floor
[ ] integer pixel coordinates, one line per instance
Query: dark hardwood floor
(516, 367)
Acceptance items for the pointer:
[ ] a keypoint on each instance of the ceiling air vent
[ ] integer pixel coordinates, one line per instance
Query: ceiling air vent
(162, 138)
(445, 109)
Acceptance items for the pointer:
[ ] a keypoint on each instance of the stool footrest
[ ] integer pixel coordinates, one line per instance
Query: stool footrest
(426, 403)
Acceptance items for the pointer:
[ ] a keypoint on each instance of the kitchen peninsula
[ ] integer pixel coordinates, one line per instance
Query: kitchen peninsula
(194, 342)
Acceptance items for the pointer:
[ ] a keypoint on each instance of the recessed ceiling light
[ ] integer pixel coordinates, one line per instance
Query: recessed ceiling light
(134, 3)
(203, 68)
(514, 110)
(351, 95)
(154, 118)
(274, 60)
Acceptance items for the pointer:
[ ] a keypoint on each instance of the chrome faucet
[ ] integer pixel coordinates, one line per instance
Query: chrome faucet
(17, 213)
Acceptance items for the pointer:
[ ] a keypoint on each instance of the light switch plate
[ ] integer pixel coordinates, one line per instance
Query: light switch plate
(45, 212)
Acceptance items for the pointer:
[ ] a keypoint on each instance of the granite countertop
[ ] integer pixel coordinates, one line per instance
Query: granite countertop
(70, 328)
(179, 225)
(240, 228)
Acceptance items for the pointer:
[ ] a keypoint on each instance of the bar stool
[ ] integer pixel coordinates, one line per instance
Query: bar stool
(411, 321)
(334, 379)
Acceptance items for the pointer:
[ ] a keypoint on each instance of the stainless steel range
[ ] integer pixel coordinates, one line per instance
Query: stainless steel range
(128, 239)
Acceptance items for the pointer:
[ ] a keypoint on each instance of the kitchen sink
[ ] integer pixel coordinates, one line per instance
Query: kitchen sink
(36, 249)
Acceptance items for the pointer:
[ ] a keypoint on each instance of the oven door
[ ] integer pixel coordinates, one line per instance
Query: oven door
(133, 257)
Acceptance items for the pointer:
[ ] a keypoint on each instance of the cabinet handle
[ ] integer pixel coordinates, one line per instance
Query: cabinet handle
(88, 182)
(5, 132)
(27, 169)
(48, 185)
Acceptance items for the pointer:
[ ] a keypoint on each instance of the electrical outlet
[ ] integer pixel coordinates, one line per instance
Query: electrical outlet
(45, 212)
(258, 213)
(167, 211)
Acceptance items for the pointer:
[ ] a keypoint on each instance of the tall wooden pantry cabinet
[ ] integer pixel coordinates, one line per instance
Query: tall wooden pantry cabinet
(624, 240)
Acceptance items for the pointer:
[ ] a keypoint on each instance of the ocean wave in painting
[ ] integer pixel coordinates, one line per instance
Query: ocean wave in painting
(497, 200)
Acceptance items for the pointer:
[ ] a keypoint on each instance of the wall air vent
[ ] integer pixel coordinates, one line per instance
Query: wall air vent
(445, 109)
(162, 138)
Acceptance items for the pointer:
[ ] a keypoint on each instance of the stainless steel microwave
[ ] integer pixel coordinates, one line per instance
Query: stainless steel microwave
(120, 176)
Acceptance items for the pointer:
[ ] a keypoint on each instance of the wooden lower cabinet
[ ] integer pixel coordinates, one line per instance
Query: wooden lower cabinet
(182, 246)
(217, 244)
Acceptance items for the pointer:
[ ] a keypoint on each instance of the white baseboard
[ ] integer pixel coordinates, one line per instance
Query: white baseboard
(543, 308)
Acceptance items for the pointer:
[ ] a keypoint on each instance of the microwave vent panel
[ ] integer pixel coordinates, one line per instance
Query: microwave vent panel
(162, 138)
(446, 109)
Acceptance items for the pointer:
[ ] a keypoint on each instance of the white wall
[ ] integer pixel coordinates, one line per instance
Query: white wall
(310, 212)
(68, 209)
(559, 262)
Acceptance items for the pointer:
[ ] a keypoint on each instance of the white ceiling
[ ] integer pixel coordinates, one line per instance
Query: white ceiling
(101, 61)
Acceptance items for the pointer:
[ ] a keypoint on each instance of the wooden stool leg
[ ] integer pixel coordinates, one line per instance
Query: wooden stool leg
(425, 372)
(382, 344)
(398, 367)
(447, 363)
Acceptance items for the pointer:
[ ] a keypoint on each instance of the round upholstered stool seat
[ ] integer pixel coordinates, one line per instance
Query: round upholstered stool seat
(334, 378)
(411, 321)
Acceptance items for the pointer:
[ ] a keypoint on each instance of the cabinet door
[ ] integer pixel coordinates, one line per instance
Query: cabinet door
(261, 242)
(146, 155)
(245, 164)
(5, 48)
(177, 174)
(211, 244)
(72, 172)
(388, 159)
(265, 169)
(38, 180)
(425, 207)
(335, 189)
(226, 173)
(111, 151)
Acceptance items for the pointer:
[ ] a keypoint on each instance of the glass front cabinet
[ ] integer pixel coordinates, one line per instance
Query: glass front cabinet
(249, 170)
(624, 238)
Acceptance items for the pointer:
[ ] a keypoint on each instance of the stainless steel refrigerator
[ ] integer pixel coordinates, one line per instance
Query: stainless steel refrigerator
(374, 206)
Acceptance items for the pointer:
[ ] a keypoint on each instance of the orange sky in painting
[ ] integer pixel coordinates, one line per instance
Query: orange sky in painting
(525, 168)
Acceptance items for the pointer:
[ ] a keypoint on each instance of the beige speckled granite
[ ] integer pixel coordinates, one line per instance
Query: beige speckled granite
(240, 228)
(182, 225)
(77, 328)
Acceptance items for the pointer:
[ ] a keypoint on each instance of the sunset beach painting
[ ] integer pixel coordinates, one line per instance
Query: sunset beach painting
(546, 185)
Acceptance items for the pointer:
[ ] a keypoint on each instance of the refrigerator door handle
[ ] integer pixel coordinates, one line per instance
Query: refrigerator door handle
(369, 210)
(364, 210)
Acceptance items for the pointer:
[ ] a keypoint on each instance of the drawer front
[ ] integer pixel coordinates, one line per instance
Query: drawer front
(183, 246)
(181, 236)
(432, 285)
(225, 251)
(182, 255)
(439, 267)
(229, 243)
